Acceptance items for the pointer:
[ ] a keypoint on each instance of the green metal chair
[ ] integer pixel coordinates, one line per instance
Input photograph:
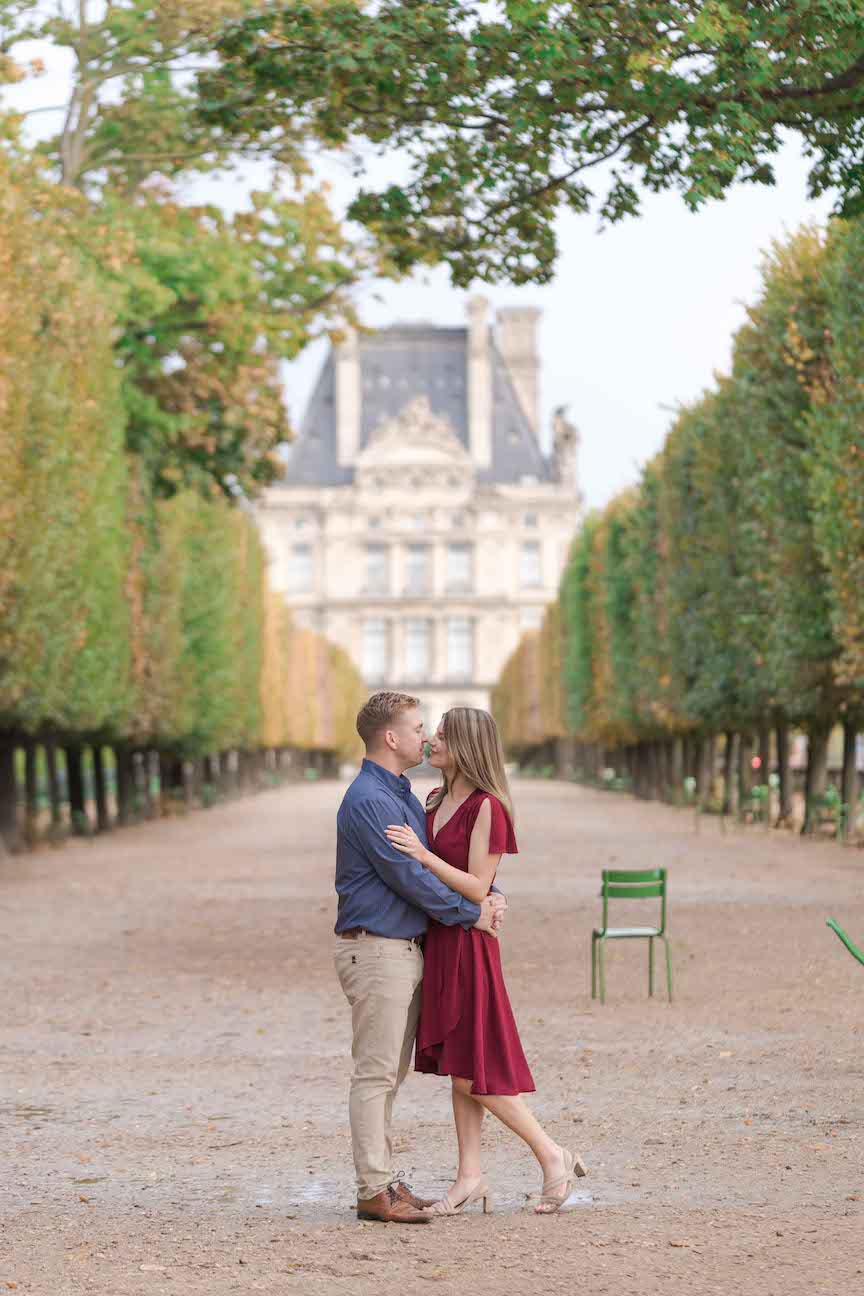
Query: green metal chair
(625, 884)
(852, 948)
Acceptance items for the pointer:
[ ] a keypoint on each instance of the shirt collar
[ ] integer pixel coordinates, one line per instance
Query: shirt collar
(397, 783)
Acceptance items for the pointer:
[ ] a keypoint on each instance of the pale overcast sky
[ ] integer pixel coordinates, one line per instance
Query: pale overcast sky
(638, 318)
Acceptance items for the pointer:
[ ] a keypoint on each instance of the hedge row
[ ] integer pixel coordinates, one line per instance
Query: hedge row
(724, 595)
(130, 623)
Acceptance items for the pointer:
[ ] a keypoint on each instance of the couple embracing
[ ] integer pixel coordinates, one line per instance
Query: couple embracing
(417, 953)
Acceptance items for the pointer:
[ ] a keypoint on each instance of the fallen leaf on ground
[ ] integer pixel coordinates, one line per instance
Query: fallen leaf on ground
(679, 1244)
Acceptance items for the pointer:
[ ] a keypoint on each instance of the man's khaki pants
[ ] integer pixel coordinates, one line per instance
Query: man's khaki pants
(381, 980)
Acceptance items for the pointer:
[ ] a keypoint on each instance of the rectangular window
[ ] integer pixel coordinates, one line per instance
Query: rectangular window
(460, 568)
(529, 565)
(377, 569)
(300, 574)
(417, 643)
(460, 648)
(375, 650)
(417, 569)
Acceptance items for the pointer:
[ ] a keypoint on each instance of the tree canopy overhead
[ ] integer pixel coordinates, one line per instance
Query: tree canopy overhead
(508, 111)
(208, 306)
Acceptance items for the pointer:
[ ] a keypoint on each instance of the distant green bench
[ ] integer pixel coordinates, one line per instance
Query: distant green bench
(852, 948)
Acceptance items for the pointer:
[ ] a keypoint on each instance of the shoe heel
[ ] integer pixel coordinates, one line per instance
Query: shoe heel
(488, 1204)
(580, 1169)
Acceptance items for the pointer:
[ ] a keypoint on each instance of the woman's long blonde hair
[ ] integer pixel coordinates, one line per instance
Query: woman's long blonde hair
(474, 744)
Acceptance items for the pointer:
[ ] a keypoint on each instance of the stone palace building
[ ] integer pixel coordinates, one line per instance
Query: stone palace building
(419, 524)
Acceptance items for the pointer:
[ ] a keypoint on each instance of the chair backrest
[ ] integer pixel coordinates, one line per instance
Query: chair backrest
(635, 884)
(846, 939)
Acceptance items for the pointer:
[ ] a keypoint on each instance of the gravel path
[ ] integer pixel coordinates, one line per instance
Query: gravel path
(175, 1054)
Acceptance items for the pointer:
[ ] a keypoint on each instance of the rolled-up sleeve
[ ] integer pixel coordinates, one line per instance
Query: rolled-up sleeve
(404, 875)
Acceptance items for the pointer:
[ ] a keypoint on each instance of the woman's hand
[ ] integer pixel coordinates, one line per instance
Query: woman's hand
(406, 840)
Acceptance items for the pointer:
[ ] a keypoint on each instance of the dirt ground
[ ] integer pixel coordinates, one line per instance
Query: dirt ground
(174, 1062)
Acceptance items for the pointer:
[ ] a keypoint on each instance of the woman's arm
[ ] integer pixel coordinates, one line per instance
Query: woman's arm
(474, 884)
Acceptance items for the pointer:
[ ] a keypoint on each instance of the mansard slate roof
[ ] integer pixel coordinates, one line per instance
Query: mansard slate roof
(397, 365)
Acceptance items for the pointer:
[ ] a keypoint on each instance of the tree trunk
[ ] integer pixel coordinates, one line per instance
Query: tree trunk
(764, 773)
(764, 753)
(745, 773)
(657, 779)
(31, 793)
(149, 802)
(172, 788)
(9, 832)
(54, 793)
(212, 788)
(705, 772)
(649, 771)
(81, 825)
(849, 783)
(728, 772)
(784, 788)
(103, 819)
(641, 770)
(817, 775)
(677, 764)
(227, 777)
(125, 762)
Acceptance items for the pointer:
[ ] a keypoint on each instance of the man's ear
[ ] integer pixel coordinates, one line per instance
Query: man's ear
(390, 739)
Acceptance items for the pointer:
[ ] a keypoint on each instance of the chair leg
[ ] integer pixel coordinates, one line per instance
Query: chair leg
(650, 967)
(593, 966)
(668, 968)
(602, 970)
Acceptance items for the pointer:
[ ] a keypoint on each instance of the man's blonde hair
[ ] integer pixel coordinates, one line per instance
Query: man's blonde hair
(380, 712)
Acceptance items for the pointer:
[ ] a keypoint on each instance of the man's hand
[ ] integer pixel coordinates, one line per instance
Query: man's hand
(491, 914)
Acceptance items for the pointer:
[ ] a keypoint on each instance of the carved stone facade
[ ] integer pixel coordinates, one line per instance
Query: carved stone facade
(419, 524)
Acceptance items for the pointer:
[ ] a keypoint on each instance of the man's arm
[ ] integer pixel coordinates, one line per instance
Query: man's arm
(405, 876)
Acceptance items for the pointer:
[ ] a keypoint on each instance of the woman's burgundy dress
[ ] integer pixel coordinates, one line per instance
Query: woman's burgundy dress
(466, 1023)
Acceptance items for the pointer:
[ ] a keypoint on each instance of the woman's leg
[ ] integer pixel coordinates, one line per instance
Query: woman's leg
(514, 1112)
(468, 1116)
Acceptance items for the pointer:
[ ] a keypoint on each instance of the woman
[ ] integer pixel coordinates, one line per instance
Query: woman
(466, 1029)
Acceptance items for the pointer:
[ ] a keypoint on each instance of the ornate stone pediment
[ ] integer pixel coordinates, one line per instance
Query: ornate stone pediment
(417, 445)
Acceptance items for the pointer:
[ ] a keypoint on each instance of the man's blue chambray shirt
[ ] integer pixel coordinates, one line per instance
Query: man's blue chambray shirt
(379, 887)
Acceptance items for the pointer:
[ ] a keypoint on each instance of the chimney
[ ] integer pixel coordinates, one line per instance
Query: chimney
(348, 398)
(517, 341)
(479, 383)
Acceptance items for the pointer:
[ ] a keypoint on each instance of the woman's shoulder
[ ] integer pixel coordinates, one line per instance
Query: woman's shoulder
(502, 838)
(494, 803)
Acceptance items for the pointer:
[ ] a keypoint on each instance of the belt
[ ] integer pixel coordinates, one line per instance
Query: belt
(353, 932)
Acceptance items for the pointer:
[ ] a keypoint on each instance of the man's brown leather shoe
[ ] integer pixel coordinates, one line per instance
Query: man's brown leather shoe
(390, 1208)
(403, 1190)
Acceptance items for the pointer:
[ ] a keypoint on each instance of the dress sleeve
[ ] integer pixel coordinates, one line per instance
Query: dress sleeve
(502, 839)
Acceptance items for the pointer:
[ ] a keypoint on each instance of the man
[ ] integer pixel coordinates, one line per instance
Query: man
(385, 900)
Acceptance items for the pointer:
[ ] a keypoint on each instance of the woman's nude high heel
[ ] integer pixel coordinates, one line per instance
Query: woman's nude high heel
(574, 1168)
(446, 1207)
